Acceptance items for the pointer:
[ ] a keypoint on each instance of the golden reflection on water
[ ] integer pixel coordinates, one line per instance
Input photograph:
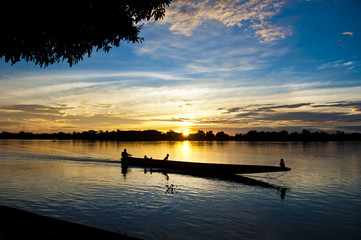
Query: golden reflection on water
(185, 150)
(309, 161)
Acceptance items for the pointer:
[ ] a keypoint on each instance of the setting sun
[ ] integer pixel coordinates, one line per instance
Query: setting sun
(186, 133)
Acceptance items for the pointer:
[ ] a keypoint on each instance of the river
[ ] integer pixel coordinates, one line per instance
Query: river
(79, 181)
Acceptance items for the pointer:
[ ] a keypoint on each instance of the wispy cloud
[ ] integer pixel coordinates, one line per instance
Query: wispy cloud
(355, 106)
(320, 116)
(34, 109)
(188, 56)
(90, 75)
(349, 65)
(48, 118)
(185, 16)
(348, 33)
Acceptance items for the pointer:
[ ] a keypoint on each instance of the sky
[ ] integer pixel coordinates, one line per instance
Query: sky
(228, 65)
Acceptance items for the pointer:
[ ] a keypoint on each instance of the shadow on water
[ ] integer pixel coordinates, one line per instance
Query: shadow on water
(229, 178)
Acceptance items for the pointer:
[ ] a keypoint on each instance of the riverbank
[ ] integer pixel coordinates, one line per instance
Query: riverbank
(19, 224)
(154, 135)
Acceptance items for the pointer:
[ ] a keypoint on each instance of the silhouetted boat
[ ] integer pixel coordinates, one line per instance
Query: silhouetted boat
(209, 168)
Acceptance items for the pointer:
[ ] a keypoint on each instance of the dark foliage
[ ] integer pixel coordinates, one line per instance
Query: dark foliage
(202, 136)
(153, 135)
(53, 31)
(305, 135)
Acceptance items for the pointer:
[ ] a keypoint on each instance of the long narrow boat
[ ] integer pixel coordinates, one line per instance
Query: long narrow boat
(209, 168)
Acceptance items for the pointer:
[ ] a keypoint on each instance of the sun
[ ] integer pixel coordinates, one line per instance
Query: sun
(185, 133)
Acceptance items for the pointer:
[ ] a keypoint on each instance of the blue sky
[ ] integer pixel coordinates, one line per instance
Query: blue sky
(212, 65)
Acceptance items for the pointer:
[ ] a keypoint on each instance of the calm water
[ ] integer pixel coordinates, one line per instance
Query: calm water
(68, 180)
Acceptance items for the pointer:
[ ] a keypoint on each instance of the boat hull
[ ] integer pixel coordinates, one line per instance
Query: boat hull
(210, 168)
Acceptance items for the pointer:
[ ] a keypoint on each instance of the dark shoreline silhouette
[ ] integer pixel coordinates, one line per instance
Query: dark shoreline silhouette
(19, 224)
(154, 135)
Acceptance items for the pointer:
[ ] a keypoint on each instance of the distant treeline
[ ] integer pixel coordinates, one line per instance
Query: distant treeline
(154, 135)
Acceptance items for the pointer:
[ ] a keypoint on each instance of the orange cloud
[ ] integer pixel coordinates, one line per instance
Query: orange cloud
(348, 33)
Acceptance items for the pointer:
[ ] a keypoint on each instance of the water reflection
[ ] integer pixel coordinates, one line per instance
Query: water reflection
(281, 188)
(66, 179)
(186, 149)
(171, 189)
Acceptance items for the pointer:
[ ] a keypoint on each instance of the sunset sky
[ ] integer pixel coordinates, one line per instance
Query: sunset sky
(231, 65)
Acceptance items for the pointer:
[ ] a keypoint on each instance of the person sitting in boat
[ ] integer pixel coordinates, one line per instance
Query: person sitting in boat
(166, 158)
(282, 163)
(125, 154)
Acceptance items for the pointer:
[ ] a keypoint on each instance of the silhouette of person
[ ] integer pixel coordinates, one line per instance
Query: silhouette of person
(282, 163)
(166, 158)
(125, 154)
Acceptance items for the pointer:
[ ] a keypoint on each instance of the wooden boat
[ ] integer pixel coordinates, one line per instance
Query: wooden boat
(193, 167)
